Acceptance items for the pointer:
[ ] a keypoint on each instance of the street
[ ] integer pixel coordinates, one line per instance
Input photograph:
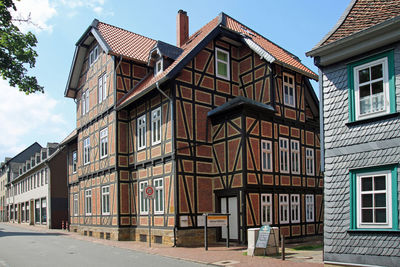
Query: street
(22, 247)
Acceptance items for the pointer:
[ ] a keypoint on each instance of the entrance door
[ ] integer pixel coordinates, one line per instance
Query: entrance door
(233, 218)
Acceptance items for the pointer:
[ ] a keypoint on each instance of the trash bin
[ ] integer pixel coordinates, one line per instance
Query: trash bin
(273, 242)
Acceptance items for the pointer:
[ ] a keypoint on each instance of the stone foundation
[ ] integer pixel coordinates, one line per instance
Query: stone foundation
(195, 237)
(110, 233)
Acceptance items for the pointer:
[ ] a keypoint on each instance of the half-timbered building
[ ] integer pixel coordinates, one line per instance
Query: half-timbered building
(225, 121)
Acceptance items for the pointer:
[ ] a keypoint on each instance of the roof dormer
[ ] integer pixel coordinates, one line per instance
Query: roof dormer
(162, 55)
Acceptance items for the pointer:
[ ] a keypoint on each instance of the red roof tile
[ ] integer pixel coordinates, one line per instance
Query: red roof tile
(362, 15)
(126, 43)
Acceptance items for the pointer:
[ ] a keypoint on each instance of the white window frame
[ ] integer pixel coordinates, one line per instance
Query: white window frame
(266, 155)
(144, 203)
(88, 201)
(141, 132)
(220, 61)
(310, 161)
(384, 79)
(266, 209)
(156, 126)
(105, 200)
(83, 101)
(295, 208)
(159, 195)
(93, 55)
(74, 161)
(87, 106)
(75, 203)
(388, 191)
(284, 155)
(310, 208)
(158, 67)
(86, 151)
(295, 156)
(102, 87)
(289, 97)
(283, 208)
(104, 143)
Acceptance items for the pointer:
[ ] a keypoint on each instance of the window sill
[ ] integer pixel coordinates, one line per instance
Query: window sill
(374, 230)
(373, 119)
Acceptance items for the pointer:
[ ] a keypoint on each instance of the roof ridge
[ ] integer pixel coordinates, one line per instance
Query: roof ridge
(124, 30)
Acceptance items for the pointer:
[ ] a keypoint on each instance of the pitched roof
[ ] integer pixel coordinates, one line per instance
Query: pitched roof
(361, 15)
(201, 38)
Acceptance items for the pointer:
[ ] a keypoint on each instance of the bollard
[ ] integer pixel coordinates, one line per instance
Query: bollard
(283, 246)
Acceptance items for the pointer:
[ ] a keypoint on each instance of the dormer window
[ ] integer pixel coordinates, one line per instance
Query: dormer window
(93, 55)
(158, 68)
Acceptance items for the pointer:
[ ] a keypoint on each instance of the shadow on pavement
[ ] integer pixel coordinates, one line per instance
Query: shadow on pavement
(4, 233)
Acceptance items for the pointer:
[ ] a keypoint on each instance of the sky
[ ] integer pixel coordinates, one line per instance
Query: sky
(295, 25)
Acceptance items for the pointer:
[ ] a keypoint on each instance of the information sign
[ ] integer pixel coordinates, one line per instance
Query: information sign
(263, 236)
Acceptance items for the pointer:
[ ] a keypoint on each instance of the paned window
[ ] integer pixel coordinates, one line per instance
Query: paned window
(284, 208)
(86, 151)
(372, 89)
(289, 94)
(295, 208)
(93, 55)
(156, 126)
(74, 161)
(309, 208)
(76, 207)
(158, 68)
(144, 203)
(159, 196)
(295, 154)
(284, 155)
(43, 212)
(141, 132)
(222, 63)
(310, 161)
(37, 211)
(266, 209)
(102, 87)
(104, 143)
(88, 202)
(85, 102)
(266, 155)
(105, 200)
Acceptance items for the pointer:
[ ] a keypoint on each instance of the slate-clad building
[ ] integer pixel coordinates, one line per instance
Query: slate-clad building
(225, 121)
(359, 62)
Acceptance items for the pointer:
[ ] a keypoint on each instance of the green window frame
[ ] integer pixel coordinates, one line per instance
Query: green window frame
(389, 84)
(356, 192)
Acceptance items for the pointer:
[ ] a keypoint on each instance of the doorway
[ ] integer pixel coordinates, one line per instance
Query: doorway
(232, 208)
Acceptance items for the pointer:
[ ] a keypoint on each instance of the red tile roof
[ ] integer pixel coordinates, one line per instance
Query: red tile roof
(281, 55)
(126, 43)
(360, 15)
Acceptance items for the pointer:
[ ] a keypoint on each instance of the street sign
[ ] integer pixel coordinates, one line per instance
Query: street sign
(217, 220)
(149, 192)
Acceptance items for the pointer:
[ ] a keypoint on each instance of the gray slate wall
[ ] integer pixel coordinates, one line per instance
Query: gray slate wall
(349, 147)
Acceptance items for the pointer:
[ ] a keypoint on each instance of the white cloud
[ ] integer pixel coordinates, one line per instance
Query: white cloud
(95, 5)
(39, 11)
(24, 118)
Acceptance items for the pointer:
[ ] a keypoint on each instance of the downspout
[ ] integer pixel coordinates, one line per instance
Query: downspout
(173, 152)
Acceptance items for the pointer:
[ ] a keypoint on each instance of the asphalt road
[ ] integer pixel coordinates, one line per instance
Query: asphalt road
(21, 247)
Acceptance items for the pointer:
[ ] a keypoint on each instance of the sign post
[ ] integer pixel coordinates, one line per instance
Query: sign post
(149, 194)
(215, 220)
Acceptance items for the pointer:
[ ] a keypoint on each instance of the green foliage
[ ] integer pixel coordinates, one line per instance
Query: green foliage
(16, 52)
(308, 247)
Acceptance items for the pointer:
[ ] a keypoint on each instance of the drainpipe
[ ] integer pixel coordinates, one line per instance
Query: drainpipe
(173, 151)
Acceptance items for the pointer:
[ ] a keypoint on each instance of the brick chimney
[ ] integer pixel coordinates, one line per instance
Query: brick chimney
(182, 28)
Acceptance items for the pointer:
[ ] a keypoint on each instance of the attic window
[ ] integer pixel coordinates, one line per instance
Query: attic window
(93, 55)
(158, 67)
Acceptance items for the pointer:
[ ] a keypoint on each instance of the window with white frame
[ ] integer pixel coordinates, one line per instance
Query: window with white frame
(74, 161)
(295, 155)
(284, 208)
(222, 63)
(88, 202)
(309, 208)
(86, 151)
(159, 196)
(156, 126)
(374, 201)
(266, 155)
(310, 161)
(266, 209)
(105, 200)
(87, 101)
(289, 94)
(144, 203)
(104, 143)
(295, 208)
(75, 204)
(284, 155)
(102, 87)
(141, 132)
(158, 68)
(93, 55)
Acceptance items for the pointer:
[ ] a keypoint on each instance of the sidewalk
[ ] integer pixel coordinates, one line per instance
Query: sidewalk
(219, 256)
